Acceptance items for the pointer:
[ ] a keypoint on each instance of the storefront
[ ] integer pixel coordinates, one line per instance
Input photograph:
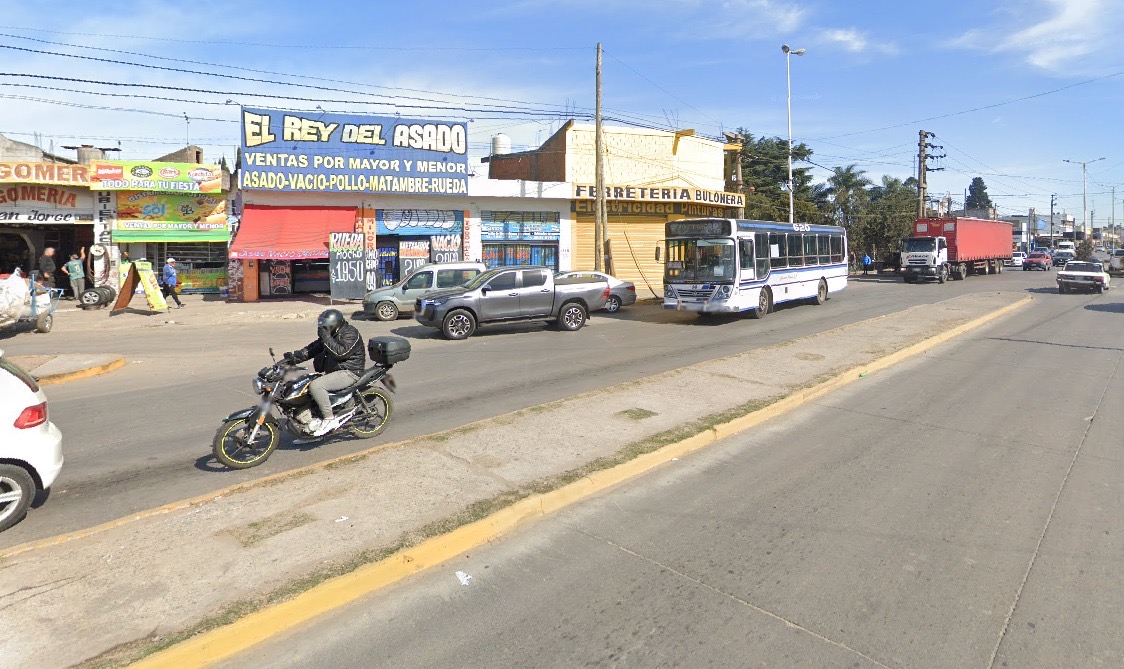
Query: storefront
(169, 210)
(41, 205)
(520, 238)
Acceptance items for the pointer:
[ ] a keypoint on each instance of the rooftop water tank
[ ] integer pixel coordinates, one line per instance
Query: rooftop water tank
(501, 144)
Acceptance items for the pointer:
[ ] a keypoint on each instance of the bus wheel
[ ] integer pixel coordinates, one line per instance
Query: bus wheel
(764, 304)
(821, 292)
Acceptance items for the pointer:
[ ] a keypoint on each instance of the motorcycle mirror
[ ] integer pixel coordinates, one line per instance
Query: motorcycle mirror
(272, 355)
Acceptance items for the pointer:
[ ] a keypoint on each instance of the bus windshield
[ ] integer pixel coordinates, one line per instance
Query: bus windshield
(700, 260)
(919, 244)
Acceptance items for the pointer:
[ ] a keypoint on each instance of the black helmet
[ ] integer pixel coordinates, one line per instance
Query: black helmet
(331, 319)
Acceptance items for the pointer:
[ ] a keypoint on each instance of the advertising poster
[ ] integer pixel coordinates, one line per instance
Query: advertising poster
(151, 289)
(149, 175)
(445, 248)
(350, 153)
(412, 255)
(280, 278)
(367, 225)
(347, 265)
(153, 217)
(201, 281)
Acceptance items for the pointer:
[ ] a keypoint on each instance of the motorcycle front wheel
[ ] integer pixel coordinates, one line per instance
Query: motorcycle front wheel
(233, 448)
(367, 424)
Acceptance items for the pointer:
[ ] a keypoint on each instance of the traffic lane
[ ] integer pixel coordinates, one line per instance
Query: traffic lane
(892, 522)
(140, 437)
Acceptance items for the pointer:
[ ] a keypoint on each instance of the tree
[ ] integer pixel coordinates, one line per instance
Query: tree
(846, 189)
(765, 170)
(887, 217)
(977, 195)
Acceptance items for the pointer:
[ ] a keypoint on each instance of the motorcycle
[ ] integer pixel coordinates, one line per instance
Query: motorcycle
(248, 437)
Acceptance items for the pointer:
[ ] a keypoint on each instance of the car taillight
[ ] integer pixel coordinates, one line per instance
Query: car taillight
(605, 293)
(32, 417)
(632, 288)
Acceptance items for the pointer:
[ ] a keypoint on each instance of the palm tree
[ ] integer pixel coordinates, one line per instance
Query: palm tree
(847, 189)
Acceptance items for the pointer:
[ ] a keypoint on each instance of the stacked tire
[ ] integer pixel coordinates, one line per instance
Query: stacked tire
(97, 297)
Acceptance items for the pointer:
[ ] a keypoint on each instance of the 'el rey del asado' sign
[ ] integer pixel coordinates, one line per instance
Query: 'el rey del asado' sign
(347, 153)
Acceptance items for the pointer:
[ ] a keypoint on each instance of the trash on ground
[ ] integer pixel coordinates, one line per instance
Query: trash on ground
(463, 577)
(341, 519)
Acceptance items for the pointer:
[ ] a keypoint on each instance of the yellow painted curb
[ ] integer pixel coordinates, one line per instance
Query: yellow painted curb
(82, 373)
(225, 642)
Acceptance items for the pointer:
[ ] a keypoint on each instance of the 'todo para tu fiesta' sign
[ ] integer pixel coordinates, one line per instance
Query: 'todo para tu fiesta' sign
(152, 176)
(348, 153)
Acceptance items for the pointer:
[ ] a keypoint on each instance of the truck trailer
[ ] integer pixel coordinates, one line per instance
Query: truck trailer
(943, 248)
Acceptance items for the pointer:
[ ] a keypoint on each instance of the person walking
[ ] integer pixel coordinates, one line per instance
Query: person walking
(47, 267)
(851, 266)
(169, 279)
(866, 263)
(75, 270)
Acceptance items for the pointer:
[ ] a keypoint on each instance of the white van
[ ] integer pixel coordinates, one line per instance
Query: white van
(1066, 245)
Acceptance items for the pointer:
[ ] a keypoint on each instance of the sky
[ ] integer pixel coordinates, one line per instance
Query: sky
(1011, 89)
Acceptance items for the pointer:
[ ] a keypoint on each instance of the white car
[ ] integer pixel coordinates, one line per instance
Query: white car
(1016, 260)
(30, 444)
(1082, 275)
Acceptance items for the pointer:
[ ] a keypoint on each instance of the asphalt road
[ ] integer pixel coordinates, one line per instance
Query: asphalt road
(140, 437)
(959, 510)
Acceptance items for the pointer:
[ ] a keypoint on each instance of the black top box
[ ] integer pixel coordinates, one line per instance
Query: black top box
(388, 350)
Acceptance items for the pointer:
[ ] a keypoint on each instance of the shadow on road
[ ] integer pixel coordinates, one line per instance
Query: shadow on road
(1107, 307)
(1043, 290)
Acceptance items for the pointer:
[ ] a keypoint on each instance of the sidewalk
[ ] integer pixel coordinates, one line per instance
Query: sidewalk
(130, 586)
(48, 369)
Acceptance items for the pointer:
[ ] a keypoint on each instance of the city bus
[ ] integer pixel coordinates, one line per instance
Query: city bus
(721, 265)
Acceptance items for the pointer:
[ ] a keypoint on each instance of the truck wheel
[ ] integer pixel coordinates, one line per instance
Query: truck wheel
(572, 317)
(943, 276)
(1061, 288)
(907, 279)
(386, 311)
(821, 292)
(998, 266)
(764, 304)
(458, 324)
(963, 271)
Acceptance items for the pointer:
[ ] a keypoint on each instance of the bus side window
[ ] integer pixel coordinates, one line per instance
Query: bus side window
(825, 254)
(780, 258)
(795, 250)
(810, 254)
(746, 250)
(836, 248)
(762, 254)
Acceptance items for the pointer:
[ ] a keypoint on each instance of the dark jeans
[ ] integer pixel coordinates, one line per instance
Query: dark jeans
(169, 291)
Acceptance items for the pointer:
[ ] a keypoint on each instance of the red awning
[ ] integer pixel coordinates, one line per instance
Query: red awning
(288, 233)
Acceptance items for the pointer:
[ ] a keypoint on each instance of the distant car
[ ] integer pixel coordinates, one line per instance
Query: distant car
(1037, 260)
(621, 293)
(1116, 262)
(30, 444)
(1062, 256)
(1016, 260)
(1083, 275)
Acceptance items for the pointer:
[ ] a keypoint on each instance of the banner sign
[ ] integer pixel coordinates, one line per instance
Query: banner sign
(349, 153)
(445, 248)
(420, 222)
(201, 280)
(662, 194)
(347, 264)
(43, 173)
(154, 176)
(45, 204)
(149, 216)
(412, 255)
(366, 223)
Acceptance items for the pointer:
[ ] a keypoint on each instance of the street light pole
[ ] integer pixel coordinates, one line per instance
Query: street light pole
(788, 77)
(1084, 194)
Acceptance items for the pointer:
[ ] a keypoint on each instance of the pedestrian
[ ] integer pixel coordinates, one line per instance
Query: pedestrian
(47, 267)
(75, 270)
(851, 263)
(169, 279)
(866, 263)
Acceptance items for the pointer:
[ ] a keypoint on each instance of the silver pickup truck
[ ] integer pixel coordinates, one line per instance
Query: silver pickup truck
(511, 294)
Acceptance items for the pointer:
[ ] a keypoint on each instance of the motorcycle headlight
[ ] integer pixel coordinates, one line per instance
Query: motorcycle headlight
(259, 385)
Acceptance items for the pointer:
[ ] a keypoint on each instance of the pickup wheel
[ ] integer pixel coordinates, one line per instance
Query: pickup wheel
(572, 317)
(458, 324)
(386, 311)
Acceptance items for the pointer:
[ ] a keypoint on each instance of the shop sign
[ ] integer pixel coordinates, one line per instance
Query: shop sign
(172, 207)
(43, 173)
(647, 208)
(348, 153)
(347, 265)
(662, 194)
(366, 223)
(445, 248)
(201, 280)
(412, 255)
(419, 222)
(45, 204)
(520, 231)
(154, 176)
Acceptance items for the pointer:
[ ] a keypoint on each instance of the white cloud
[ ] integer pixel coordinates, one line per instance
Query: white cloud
(856, 42)
(760, 18)
(1050, 35)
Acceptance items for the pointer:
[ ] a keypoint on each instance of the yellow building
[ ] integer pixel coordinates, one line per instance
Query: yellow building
(651, 177)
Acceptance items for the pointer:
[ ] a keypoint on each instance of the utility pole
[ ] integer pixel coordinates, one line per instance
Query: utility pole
(1112, 217)
(599, 178)
(1053, 201)
(1031, 227)
(923, 156)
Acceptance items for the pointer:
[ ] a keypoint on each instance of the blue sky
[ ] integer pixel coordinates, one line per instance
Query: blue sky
(875, 73)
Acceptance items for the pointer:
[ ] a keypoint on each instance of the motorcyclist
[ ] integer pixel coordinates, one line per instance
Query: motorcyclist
(338, 353)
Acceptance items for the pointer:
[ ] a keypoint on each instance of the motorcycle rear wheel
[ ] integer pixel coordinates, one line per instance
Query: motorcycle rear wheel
(231, 448)
(366, 425)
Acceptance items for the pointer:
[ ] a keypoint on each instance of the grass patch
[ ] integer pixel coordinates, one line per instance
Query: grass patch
(258, 531)
(344, 462)
(636, 414)
(442, 437)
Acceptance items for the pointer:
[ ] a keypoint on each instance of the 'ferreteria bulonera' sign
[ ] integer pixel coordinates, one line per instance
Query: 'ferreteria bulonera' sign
(662, 194)
(347, 153)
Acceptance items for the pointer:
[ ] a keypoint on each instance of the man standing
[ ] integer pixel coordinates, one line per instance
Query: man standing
(76, 272)
(168, 279)
(47, 267)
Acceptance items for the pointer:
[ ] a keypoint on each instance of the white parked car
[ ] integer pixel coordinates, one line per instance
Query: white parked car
(1116, 262)
(1082, 275)
(30, 444)
(1016, 260)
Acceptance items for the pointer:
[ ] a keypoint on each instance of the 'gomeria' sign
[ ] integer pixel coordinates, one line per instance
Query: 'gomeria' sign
(346, 153)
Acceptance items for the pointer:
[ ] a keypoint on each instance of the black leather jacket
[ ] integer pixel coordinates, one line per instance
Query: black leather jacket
(333, 352)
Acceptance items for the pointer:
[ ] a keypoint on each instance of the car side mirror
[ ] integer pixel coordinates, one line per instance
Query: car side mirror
(484, 290)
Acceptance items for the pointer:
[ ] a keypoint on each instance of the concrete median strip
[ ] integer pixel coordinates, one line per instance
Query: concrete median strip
(372, 519)
(69, 366)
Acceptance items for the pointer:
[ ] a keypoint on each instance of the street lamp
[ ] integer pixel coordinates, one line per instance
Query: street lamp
(788, 76)
(1084, 194)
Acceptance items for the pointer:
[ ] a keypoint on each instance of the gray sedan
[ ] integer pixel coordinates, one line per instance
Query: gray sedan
(621, 293)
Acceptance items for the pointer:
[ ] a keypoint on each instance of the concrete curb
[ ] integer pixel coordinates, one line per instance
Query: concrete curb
(86, 373)
(225, 642)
